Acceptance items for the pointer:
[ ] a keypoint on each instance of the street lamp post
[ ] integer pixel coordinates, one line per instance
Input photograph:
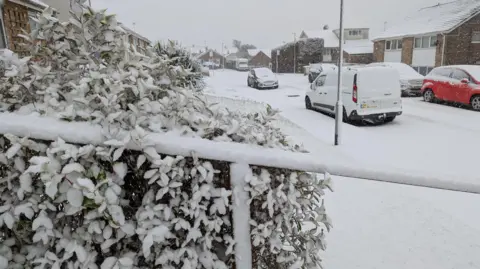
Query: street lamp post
(294, 53)
(339, 105)
(223, 58)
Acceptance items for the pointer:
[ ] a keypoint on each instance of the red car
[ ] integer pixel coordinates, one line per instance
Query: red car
(457, 83)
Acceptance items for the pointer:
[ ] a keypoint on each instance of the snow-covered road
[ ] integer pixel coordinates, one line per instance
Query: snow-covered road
(378, 225)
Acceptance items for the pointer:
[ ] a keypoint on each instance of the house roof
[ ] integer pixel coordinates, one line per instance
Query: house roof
(330, 39)
(137, 35)
(254, 52)
(434, 19)
(361, 46)
(35, 4)
(208, 51)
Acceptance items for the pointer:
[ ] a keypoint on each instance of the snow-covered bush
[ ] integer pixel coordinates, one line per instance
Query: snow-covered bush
(65, 205)
(179, 56)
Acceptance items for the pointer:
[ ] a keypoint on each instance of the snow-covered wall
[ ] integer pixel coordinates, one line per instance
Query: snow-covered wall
(394, 56)
(423, 57)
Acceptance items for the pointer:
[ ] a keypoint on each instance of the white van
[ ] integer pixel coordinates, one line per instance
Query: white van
(369, 93)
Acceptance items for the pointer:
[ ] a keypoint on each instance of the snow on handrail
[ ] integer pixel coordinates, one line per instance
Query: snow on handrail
(85, 133)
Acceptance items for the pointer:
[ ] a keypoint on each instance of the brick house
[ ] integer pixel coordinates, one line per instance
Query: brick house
(15, 17)
(357, 46)
(260, 58)
(211, 55)
(140, 42)
(443, 34)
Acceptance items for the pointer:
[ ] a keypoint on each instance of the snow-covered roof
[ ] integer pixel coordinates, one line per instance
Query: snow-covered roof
(137, 35)
(361, 46)
(208, 51)
(35, 4)
(434, 19)
(254, 52)
(330, 39)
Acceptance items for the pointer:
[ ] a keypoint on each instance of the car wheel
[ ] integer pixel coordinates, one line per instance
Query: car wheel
(308, 104)
(475, 102)
(389, 119)
(429, 96)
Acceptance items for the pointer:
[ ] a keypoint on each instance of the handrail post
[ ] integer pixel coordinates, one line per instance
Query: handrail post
(241, 215)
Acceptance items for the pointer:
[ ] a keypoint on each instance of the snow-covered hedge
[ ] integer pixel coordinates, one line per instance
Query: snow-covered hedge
(181, 57)
(86, 206)
(65, 205)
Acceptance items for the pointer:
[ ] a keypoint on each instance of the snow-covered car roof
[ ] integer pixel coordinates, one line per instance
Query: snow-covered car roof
(473, 70)
(405, 71)
(434, 19)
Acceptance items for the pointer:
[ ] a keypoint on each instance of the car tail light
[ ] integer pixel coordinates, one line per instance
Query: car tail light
(355, 89)
(354, 93)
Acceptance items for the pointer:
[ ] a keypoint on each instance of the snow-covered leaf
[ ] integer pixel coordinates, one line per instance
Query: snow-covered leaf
(109, 263)
(75, 197)
(73, 167)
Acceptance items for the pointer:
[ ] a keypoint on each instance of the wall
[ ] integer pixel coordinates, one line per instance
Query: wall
(15, 19)
(358, 58)
(379, 51)
(407, 50)
(423, 57)
(459, 48)
(393, 56)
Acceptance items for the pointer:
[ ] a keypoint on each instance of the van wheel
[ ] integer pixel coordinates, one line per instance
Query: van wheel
(429, 96)
(389, 119)
(308, 104)
(475, 102)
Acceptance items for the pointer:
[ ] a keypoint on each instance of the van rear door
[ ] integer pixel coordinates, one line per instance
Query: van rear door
(378, 90)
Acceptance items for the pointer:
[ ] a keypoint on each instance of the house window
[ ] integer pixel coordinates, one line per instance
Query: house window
(327, 52)
(354, 32)
(425, 42)
(33, 24)
(395, 44)
(476, 37)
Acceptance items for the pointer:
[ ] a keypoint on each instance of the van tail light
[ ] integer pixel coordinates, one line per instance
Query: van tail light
(354, 93)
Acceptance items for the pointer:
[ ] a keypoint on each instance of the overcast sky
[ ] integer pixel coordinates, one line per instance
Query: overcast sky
(264, 23)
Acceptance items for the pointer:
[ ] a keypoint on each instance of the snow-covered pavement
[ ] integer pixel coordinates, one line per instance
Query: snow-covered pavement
(379, 225)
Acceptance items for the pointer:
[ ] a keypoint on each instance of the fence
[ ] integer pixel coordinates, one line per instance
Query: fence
(239, 156)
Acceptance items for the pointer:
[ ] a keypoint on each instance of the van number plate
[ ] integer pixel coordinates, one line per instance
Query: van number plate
(367, 106)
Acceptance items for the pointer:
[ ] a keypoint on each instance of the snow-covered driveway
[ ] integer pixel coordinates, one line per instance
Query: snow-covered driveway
(379, 225)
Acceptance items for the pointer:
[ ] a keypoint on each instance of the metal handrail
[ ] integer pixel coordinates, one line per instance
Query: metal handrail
(85, 133)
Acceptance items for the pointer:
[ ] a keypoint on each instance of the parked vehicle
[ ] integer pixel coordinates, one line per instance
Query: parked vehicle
(410, 80)
(458, 84)
(241, 64)
(262, 78)
(315, 69)
(369, 93)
